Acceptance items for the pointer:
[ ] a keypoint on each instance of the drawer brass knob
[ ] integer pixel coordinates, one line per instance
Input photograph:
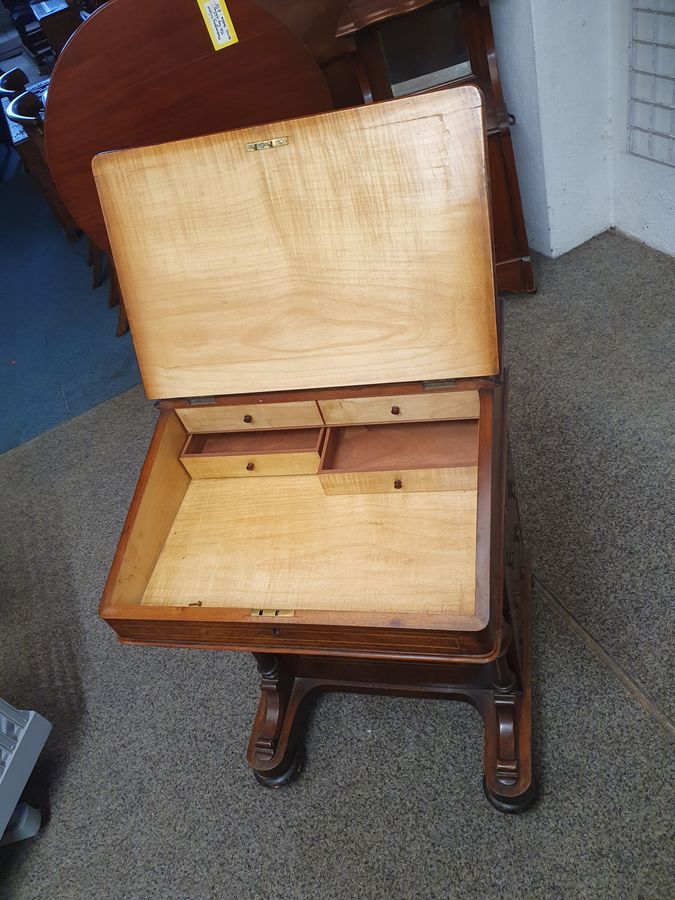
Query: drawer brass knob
(248, 418)
(398, 484)
(395, 410)
(250, 467)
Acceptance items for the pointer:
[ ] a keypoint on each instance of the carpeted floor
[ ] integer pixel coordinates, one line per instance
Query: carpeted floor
(144, 773)
(58, 352)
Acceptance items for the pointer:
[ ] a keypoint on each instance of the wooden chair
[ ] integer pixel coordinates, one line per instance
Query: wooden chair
(24, 113)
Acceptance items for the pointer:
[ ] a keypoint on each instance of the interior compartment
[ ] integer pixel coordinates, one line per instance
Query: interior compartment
(403, 458)
(409, 445)
(282, 543)
(238, 443)
(293, 451)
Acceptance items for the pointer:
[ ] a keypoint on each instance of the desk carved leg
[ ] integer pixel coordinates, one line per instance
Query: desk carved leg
(274, 751)
(508, 781)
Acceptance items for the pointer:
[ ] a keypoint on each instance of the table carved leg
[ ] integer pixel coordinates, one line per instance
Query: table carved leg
(274, 753)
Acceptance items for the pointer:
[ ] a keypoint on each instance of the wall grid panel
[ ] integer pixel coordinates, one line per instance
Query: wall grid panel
(651, 112)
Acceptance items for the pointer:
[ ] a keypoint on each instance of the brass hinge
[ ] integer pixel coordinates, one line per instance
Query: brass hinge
(267, 145)
(273, 613)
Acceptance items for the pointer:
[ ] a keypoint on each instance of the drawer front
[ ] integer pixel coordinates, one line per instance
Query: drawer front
(253, 465)
(404, 408)
(199, 419)
(410, 480)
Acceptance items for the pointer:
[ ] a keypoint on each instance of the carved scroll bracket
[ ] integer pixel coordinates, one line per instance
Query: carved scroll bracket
(506, 763)
(274, 698)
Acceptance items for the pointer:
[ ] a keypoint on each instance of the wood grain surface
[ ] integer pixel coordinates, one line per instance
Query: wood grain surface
(400, 481)
(362, 13)
(236, 454)
(278, 440)
(158, 497)
(282, 543)
(252, 465)
(141, 73)
(357, 253)
(404, 408)
(251, 416)
(410, 445)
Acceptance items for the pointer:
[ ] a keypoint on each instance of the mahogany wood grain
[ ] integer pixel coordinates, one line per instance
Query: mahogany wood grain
(253, 454)
(408, 638)
(281, 440)
(362, 21)
(413, 445)
(359, 14)
(314, 22)
(141, 73)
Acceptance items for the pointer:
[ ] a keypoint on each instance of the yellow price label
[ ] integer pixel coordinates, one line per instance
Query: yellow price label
(218, 23)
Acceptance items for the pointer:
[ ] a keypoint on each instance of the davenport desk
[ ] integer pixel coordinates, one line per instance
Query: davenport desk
(328, 486)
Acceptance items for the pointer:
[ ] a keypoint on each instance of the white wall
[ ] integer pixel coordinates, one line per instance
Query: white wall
(564, 67)
(512, 23)
(572, 61)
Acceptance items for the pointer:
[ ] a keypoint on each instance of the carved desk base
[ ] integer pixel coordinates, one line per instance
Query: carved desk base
(500, 690)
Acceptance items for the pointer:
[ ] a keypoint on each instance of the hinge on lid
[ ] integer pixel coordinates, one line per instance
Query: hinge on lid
(200, 401)
(273, 613)
(267, 145)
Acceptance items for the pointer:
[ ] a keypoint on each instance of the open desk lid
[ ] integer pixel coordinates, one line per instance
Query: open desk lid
(352, 247)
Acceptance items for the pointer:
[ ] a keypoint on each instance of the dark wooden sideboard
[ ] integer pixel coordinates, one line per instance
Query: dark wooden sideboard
(364, 46)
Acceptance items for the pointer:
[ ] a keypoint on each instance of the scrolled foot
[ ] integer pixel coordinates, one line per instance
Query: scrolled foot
(277, 781)
(514, 805)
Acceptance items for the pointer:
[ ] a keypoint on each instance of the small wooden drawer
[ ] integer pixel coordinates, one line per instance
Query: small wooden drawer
(461, 478)
(413, 456)
(291, 451)
(404, 408)
(252, 416)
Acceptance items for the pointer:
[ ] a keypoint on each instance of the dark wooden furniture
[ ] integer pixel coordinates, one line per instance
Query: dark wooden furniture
(30, 34)
(123, 81)
(350, 41)
(23, 110)
(357, 530)
(407, 46)
(58, 20)
(169, 82)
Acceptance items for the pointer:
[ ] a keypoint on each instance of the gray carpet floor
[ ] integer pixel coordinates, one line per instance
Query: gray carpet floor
(144, 776)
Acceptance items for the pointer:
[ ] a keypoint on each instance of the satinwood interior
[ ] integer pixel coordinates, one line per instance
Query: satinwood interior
(281, 542)
(280, 440)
